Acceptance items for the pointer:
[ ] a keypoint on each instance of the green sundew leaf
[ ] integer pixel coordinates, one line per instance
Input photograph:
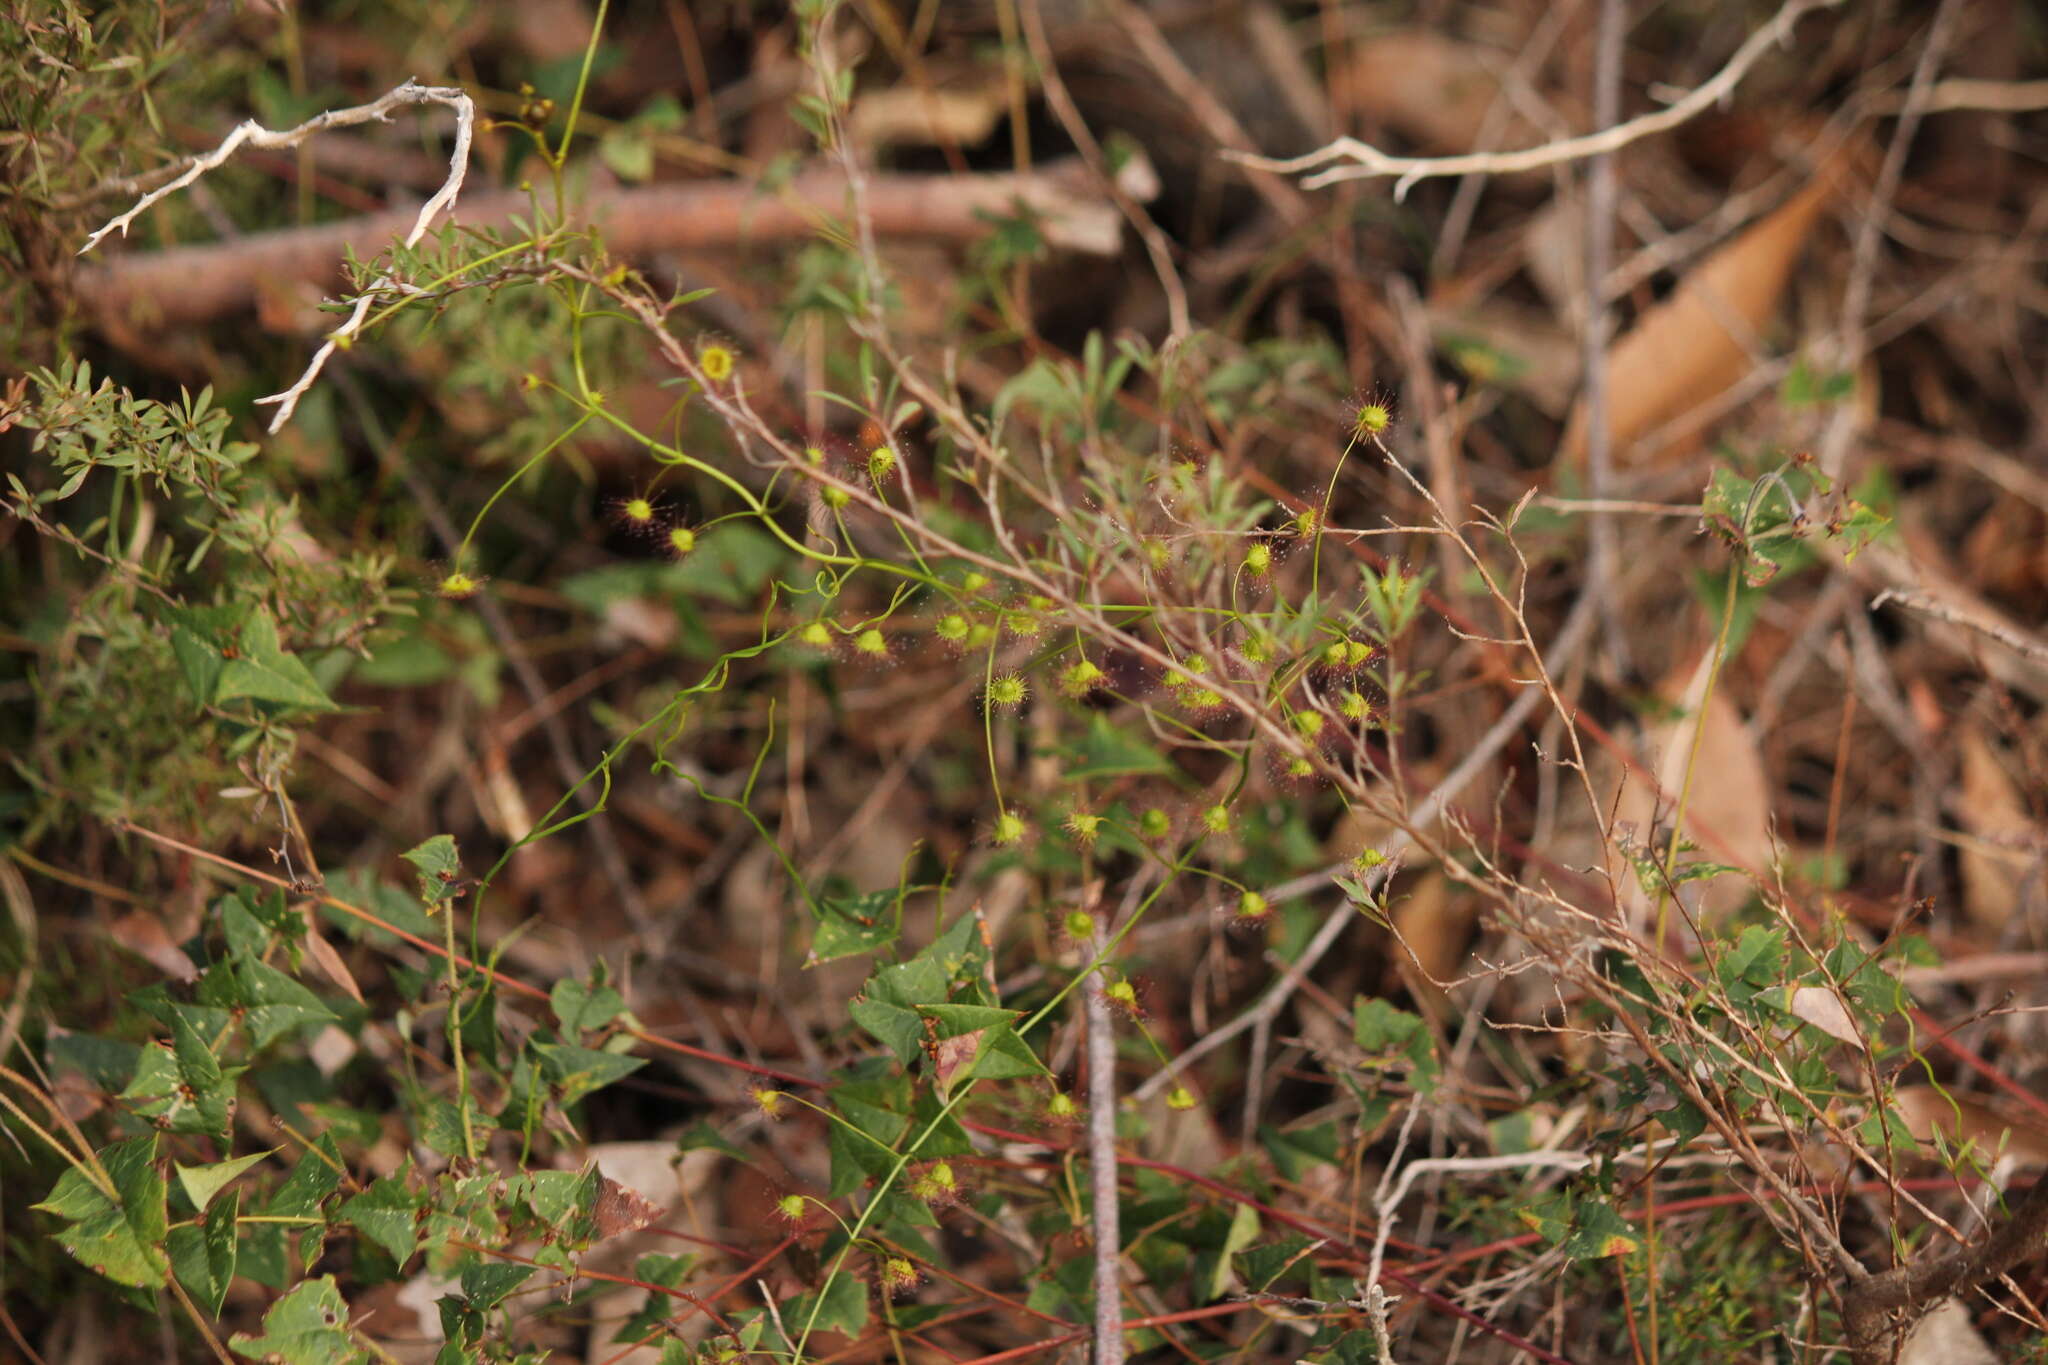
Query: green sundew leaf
(440, 867)
(203, 1257)
(1598, 1232)
(262, 671)
(308, 1326)
(388, 1214)
(577, 1071)
(848, 925)
(1244, 1230)
(1109, 750)
(121, 1235)
(1296, 1151)
(581, 1008)
(202, 1183)
(1261, 1266)
(486, 1283)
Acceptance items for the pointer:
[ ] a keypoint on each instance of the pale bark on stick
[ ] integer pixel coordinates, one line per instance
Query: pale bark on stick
(200, 283)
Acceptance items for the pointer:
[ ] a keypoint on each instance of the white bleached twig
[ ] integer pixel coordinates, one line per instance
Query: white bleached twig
(1371, 163)
(253, 134)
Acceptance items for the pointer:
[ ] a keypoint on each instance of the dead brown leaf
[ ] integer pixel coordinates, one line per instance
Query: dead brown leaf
(1728, 804)
(1697, 343)
(142, 932)
(1431, 89)
(1960, 1119)
(2003, 838)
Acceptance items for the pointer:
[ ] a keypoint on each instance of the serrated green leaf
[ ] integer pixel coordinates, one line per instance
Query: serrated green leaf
(1244, 1230)
(118, 1235)
(849, 925)
(440, 867)
(580, 1007)
(1261, 1266)
(1110, 750)
(577, 1071)
(202, 1183)
(842, 1307)
(388, 1214)
(308, 1326)
(203, 1256)
(1298, 1150)
(262, 671)
(486, 1283)
(1599, 1232)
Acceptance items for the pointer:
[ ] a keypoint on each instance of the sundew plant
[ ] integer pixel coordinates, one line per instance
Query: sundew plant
(1081, 1061)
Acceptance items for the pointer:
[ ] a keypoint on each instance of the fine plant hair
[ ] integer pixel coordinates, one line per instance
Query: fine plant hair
(1078, 550)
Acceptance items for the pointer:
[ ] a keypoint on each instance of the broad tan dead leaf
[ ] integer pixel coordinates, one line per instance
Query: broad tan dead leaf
(1727, 812)
(1434, 923)
(1430, 88)
(142, 932)
(1822, 1008)
(904, 114)
(326, 959)
(1960, 1119)
(1946, 1337)
(1697, 343)
(2003, 838)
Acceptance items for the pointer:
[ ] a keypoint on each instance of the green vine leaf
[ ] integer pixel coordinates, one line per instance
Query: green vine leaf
(120, 1234)
(308, 1326)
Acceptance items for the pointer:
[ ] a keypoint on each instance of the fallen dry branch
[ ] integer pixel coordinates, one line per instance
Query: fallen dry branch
(199, 283)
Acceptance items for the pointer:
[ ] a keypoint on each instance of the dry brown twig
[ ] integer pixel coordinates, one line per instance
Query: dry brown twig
(253, 134)
(1373, 164)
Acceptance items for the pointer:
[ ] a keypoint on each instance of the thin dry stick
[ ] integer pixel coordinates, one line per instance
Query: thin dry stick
(1373, 164)
(1600, 198)
(253, 134)
(1109, 1336)
(1847, 417)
